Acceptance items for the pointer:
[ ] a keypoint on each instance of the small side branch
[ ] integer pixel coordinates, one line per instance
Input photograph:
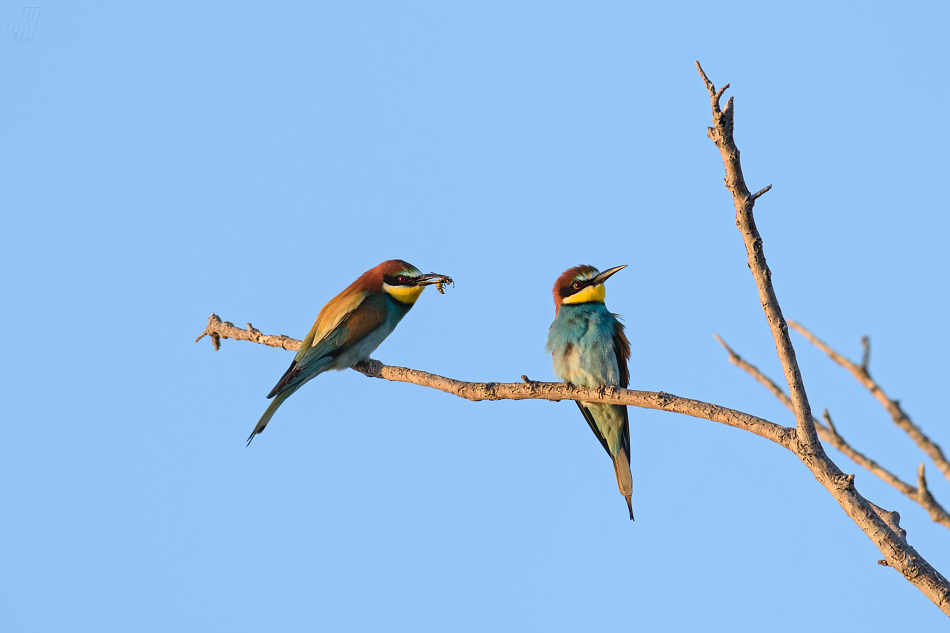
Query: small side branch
(759, 193)
(753, 371)
(893, 407)
(218, 329)
(923, 492)
(830, 435)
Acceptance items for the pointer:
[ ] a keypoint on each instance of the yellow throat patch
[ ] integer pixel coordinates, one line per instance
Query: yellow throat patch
(588, 294)
(404, 294)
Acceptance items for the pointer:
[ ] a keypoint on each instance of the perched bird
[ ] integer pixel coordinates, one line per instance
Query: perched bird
(352, 325)
(591, 350)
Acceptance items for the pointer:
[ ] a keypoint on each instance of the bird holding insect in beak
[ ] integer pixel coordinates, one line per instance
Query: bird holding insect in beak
(351, 325)
(591, 350)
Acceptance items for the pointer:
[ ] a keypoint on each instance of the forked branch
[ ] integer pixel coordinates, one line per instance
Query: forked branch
(829, 434)
(879, 525)
(893, 407)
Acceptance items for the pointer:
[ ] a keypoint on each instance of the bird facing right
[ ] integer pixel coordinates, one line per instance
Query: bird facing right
(591, 350)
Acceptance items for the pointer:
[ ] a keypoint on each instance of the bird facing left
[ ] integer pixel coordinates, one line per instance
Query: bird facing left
(352, 325)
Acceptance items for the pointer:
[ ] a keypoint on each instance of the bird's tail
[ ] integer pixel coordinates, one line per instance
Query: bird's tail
(269, 413)
(624, 478)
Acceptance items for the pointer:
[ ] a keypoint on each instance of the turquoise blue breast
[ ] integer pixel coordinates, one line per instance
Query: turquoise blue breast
(581, 340)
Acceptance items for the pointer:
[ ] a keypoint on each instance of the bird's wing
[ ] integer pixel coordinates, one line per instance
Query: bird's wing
(316, 353)
(593, 426)
(337, 309)
(330, 316)
(625, 431)
(622, 349)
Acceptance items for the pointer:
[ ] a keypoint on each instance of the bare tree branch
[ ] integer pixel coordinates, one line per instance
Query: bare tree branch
(527, 390)
(923, 492)
(721, 134)
(830, 434)
(901, 419)
(920, 494)
(937, 513)
(880, 526)
(218, 329)
(753, 371)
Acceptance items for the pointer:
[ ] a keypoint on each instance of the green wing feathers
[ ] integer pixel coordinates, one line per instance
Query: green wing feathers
(321, 347)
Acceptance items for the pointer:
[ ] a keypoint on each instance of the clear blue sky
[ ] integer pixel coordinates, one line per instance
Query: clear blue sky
(163, 162)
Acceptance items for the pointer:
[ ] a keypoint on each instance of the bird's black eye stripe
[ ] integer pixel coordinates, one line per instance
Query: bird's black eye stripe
(399, 280)
(576, 286)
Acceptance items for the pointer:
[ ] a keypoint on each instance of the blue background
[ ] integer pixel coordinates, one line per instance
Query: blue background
(164, 162)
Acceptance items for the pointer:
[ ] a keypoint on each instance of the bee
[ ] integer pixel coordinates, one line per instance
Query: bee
(440, 284)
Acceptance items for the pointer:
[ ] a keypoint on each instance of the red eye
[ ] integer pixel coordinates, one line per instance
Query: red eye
(578, 285)
(401, 279)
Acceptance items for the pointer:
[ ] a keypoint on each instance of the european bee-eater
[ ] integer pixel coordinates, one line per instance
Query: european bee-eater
(351, 325)
(591, 350)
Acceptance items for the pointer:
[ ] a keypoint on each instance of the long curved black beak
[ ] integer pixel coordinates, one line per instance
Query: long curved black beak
(433, 278)
(602, 277)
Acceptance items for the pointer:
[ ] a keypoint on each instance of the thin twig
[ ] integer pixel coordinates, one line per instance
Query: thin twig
(753, 371)
(830, 434)
(920, 494)
(893, 407)
(831, 425)
(923, 492)
(218, 329)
